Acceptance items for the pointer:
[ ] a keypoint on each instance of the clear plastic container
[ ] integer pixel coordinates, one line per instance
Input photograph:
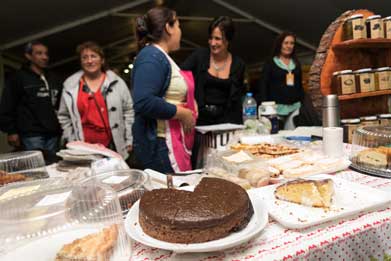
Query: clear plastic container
(22, 166)
(130, 185)
(371, 150)
(41, 220)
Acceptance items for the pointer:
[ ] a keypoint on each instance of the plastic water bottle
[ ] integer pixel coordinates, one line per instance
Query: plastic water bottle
(249, 108)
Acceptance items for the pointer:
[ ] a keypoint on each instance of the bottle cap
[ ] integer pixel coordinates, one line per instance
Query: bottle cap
(249, 94)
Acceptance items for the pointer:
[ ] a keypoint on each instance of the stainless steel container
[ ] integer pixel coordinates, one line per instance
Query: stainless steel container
(330, 111)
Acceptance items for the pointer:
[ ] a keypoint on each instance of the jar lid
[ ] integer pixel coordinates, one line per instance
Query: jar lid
(368, 118)
(355, 16)
(382, 69)
(347, 121)
(365, 70)
(268, 103)
(387, 18)
(385, 116)
(373, 17)
(342, 72)
(346, 72)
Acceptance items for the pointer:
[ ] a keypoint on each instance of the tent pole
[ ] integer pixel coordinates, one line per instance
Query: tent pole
(262, 23)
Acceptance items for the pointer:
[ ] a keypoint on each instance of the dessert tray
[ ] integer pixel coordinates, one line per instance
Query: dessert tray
(371, 151)
(349, 198)
(307, 163)
(257, 223)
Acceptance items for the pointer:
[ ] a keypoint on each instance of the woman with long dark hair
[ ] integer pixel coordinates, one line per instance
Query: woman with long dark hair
(219, 76)
(281, 78)
(165, 111)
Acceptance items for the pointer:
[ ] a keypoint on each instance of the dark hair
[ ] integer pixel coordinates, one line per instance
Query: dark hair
(151, 26)
(28, 48)
(278, 45)
(93, 46)
(226, 26)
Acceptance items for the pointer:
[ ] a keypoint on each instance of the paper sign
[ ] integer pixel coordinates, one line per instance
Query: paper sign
(18, 191)
(115, 179)
(53, 199)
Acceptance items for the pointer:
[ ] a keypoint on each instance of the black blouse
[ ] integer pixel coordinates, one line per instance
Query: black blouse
(198, 63)
(272, 85)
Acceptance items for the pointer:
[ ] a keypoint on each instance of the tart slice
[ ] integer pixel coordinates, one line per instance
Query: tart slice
(314, 193)
(93, 247)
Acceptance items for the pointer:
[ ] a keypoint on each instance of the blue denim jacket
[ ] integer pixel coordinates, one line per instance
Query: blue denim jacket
(151, 77)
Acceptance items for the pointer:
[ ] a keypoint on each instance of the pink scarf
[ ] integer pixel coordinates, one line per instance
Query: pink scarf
(180, 144)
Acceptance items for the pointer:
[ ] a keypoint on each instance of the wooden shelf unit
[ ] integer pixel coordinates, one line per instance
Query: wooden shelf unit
(363, 43)
(354, 55)
(363, 95)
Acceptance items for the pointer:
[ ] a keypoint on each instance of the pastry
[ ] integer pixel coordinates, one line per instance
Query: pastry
(6, 178)
(93, 247)
(373, 158)
(314, 193)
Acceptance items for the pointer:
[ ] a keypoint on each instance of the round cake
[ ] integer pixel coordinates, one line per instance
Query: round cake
(216, 208)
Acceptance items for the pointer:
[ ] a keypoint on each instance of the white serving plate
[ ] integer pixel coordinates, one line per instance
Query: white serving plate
(349, 198)
(258, 221)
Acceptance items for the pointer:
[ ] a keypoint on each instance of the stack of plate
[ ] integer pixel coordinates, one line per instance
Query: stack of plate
(75, 158)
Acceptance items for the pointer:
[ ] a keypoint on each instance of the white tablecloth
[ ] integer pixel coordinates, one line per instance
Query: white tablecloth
(358, 237)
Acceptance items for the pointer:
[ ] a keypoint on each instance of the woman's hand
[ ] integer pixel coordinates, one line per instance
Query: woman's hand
(185, 116)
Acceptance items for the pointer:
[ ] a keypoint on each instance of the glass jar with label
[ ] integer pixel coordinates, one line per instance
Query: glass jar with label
(365, 80)
(349, 126)
(369, 120)
(354, 27)
(385, 119)
(382, 81)
(387, 27)
(374, 27)
(344, 82)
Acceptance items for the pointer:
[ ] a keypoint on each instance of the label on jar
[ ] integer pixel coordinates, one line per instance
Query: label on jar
(366, 82)
(348, 84)
(387, 29)
(376, 29)
(358, 29)
(382, 80)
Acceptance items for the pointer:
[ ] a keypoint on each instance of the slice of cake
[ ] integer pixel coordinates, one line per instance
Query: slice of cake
(372, 157)
(93, 247)
(315, 193)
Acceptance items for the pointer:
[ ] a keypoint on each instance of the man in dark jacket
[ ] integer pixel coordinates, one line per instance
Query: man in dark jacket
(28, 104)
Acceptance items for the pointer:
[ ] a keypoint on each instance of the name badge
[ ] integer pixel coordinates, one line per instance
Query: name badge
(290, 79)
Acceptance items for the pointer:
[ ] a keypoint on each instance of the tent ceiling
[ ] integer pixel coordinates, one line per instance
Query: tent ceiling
(308, 19)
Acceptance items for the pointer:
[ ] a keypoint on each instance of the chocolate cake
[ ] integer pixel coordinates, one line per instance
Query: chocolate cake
(216, 208)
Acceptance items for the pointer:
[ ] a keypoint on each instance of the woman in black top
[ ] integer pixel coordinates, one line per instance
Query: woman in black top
(281, 75)
(218, 76)
(281, 81)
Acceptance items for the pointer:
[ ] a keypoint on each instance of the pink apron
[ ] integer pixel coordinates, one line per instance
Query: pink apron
(180, 144)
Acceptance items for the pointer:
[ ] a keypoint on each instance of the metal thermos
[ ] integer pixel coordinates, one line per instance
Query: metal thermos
(330, 111)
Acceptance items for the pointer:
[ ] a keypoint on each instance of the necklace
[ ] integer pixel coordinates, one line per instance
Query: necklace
(219, 68)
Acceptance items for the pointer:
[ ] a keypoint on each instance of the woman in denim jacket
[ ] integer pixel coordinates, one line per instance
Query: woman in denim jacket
(158, 34)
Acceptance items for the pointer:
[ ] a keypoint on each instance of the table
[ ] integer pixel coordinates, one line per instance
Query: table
(358, 237)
